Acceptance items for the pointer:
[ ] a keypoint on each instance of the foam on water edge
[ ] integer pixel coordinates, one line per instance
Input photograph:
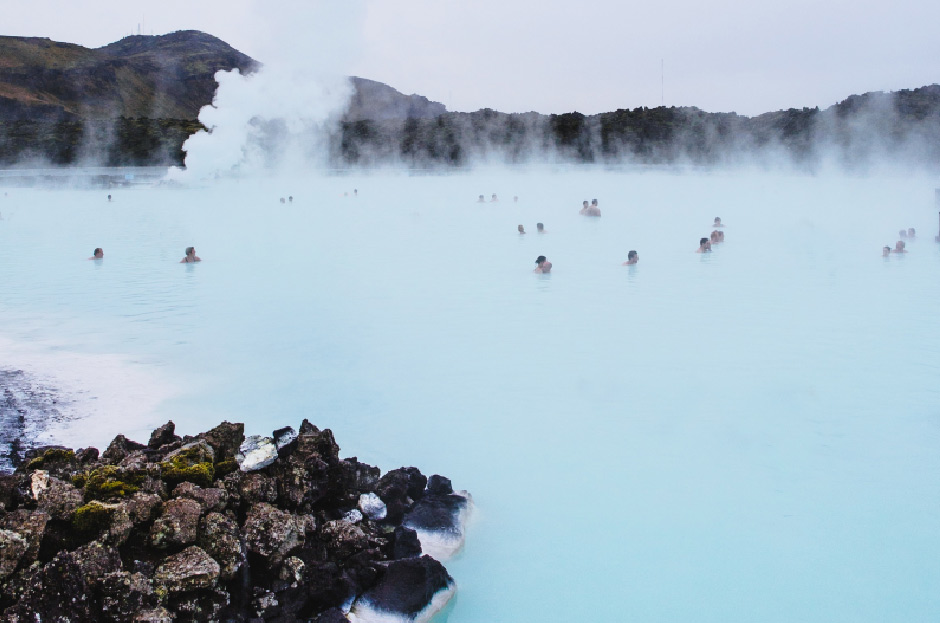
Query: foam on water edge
(362, 612)
(444, 544)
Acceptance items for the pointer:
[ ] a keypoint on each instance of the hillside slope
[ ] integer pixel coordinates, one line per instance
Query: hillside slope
(161, 77)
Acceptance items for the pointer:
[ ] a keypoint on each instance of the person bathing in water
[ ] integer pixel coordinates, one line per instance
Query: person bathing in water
(592, 210)
(190, 256)
(718, 222)
(98, 254)
(632, 258)
(542, 265)
(704, 246)
(899, 247)
(584, 208)
(885, 252)
(540, 228)
(521, 229)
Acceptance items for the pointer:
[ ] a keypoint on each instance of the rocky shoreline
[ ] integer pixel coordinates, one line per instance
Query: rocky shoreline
(26, 408)
(220, 527)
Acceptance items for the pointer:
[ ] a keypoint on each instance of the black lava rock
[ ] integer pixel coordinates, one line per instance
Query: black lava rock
(407, 586)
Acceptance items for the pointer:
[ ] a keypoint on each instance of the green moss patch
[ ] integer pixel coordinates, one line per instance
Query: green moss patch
(92, 518)
(226, 467)
(53, 455)
(108, 483)
(187, 467)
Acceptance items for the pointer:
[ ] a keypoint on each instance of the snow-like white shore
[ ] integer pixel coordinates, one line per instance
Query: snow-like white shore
(98, 396)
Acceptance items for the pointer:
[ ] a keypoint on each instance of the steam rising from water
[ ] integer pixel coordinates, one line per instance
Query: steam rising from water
(279, 115)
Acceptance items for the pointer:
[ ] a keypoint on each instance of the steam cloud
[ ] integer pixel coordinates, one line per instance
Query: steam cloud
(279, 116)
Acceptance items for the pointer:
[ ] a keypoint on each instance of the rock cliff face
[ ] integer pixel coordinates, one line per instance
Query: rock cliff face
(219, 528)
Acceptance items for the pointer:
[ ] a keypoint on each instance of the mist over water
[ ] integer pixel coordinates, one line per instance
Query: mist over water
(746, 435)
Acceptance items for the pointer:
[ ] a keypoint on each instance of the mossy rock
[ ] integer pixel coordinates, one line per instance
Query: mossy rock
(108, 482)
(52, 455)
(182, 468)
(116, 489)
(226, 467)
(92, 518)
(190, 454)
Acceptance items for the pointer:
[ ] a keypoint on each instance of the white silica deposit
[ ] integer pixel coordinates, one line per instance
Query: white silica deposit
(256, 452)
(372, 506)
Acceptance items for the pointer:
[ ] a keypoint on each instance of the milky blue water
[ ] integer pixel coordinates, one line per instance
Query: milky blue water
(750, 435)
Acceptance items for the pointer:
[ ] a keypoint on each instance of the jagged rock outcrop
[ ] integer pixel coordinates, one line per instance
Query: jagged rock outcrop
(178, 530)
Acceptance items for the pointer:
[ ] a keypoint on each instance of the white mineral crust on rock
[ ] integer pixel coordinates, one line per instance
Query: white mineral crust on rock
(353, 516)
(38, 482)
(372, 506)
(256, 452)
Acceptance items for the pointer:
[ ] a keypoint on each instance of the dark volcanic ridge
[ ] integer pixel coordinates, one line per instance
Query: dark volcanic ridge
(135, 102)
(154, 77)
(160, 77)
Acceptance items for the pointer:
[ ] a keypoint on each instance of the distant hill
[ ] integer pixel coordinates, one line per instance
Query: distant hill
(159, 77)
(901, 128)
(137, 100)
(380, 102)
(134, 101)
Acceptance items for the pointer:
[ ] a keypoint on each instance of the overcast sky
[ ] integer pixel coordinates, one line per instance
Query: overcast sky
(552, 56)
